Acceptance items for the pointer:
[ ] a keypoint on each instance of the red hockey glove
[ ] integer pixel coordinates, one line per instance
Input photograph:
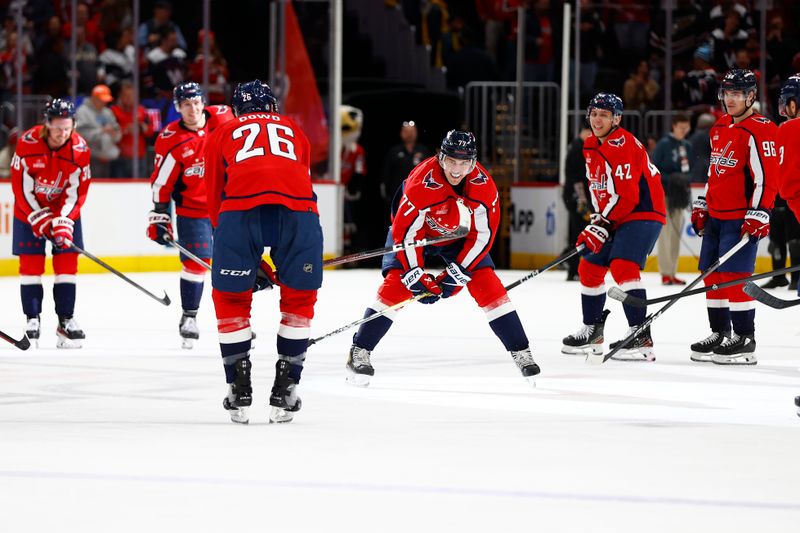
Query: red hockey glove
(452, 280)
(699, 215)
(40, 221)
(62, 230)
(266, 277)
(756, 223)
(594, 237)
(418, 282)
(155, 220)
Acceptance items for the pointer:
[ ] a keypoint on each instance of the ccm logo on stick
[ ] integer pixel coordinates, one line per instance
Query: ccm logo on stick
(235, 273)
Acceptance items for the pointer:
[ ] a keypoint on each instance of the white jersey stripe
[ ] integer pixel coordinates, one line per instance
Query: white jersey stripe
(481, 218)
(410, 236)
(758, 173)
(613, 197)
(73, 181)
(28, 184)
(164, 173)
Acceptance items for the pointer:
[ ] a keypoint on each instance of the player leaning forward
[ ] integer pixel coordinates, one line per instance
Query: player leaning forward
(50, 179)
(628, 202)
(427, 205)
(178, 176)
(742, 181)
(259, 194)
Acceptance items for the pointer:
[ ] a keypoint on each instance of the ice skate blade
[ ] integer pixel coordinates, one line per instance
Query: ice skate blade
(582, 350)
(635, 356)
(187, 344)
(738, 361)
(531, 381)
(357, 380)
(595, 358)
(67, 344)
(240, 415)
(699, 357)
(279, 415)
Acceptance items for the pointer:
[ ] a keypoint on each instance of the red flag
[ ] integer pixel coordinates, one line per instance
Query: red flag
(302, 102)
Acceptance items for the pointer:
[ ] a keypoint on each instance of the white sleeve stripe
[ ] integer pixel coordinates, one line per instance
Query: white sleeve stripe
(481, 218)
(411, 233)
(163, 176)
(595, 205)
(758, 173)
(73, 182)
(613, 197)
(28, 184)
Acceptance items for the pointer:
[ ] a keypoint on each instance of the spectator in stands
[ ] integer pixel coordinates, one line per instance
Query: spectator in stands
(696, 90)
(96, 123)
(217, 69)
(673, 156)
(471, 63)
(539, 43)
(781, 46)
(401, 159)
(690, 28)
(353, 175)
(701, 148)
(149, 34)
(8, 73)
(85, 62)
(50, 67)
(7, 152)
(640, 89)
(117, 60)
(122, 167)
(592, 42)
(90, 25)
(718, 15)
(576, 195)
(166, 63)
(115, 15)
(726, 41)
(631, 26)
(434, 23)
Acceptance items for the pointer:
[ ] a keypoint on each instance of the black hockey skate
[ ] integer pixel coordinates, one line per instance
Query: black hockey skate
(526, 365)
(704, 349)
(797, 403)
(736, 350)
(69, 333)
(284, 400)
(359, 367)
(639, 349)
(188, 330)
(240, 393)
(33, 330)
(589, 340)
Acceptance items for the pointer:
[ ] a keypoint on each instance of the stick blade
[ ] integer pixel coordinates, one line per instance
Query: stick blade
(24, 343)
(165, 300)
(760, 295)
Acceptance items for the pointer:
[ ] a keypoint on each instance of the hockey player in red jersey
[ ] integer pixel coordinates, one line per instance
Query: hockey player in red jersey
(179, 176)
(434, 198)
(50, 178)
(742, 182)
(629, 212)
(259, 194)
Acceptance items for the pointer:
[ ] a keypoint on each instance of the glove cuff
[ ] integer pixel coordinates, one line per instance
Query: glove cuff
(412, 276)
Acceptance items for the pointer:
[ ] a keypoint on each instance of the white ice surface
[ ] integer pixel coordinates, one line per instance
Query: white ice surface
(128, 433)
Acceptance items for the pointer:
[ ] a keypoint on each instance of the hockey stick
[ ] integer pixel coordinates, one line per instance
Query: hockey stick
(759, 294)
(165, 300)
(370, 317)
(555, 262)
(618, 294)
(23, 344)
(171, 240)
(360, 321)
(596, 359)
(458, 233)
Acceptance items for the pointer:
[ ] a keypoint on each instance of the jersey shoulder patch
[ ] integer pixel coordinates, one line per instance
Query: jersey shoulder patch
(479, 179)
(618, 142)
(430, 182)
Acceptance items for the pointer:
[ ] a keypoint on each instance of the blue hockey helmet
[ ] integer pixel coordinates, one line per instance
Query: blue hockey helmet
(790, 91)
(186, 91)
(459, 145)
(608, 101)
(738, 79)
(59, 108)
(253, 96)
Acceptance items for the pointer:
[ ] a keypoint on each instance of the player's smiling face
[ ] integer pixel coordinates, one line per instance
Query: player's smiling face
(601, 122)
(191, 111)
(456, 169)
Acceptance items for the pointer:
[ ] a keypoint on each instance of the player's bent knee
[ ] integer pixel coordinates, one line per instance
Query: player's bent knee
(625, 273)
(232, 304)
(392, 290)
(590, 274)
(31, 265)
(298, 302)
(485, 287)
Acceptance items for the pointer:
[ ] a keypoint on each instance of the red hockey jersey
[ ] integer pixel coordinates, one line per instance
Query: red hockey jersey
(623, 183)
(789, 161)
(743, 168)
(179, 169)
(257, 159)
(41, 177)
(427, 195)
